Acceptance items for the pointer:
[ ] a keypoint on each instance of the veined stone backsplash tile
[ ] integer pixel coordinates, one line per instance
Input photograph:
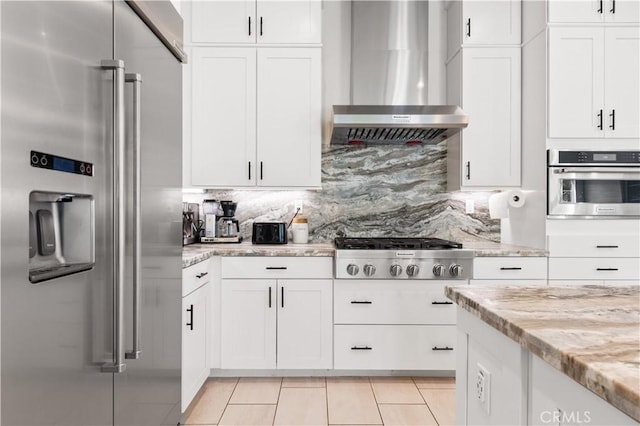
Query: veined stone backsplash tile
(372, 192)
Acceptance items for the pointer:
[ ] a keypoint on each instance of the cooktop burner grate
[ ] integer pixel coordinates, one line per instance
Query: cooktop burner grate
(395, 244)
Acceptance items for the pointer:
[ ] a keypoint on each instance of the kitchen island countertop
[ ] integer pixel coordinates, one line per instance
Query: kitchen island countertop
(589, 333)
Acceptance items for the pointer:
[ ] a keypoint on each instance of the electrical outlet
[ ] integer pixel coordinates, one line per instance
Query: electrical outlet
(483, 388)
(470, 207)
(299, 204)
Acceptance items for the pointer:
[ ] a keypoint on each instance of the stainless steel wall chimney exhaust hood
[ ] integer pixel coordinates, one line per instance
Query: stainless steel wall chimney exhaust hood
(389, 54)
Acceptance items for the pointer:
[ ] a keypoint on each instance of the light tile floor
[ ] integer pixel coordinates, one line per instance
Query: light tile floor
(326, 401)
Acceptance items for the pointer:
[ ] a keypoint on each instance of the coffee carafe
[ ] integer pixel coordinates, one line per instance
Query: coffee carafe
(228, 227)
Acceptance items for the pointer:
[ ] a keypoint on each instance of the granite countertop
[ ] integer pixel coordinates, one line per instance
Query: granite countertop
(590, 333)
(491, 249)
(195, 253)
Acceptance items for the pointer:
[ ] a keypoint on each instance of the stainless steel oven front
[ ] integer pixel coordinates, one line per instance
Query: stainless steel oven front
(602, 184)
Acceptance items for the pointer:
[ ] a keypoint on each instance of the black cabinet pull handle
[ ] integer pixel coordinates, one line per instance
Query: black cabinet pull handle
(612, 126)
(269, 296)
(442, 303)
(360, 302)
(261, 25)
(600, 8)
(261, 170)
(607, 247)
(514, 268)
(613, 6)
(361, 348)
(190, 323)
(600, 120)
(204, 274)
(469, 27)
(282, 294)
(249, 25)
(468, 170)
(276, 268)
(249, 170)
(446, 348)
(606, 269)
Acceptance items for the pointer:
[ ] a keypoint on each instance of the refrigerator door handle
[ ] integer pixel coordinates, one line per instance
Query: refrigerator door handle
(136, 351)
(118, 365)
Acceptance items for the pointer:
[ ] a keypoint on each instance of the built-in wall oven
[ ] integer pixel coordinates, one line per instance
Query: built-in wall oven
(594, 183)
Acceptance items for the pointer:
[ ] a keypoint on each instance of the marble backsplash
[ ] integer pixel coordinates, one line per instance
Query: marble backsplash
(374, 191)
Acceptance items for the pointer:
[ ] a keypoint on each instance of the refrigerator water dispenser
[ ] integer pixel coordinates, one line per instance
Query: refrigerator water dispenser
(61, 234)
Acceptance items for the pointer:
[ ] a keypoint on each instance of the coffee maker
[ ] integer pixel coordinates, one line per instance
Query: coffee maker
(191, 224)
(227, 226)
(212, 210)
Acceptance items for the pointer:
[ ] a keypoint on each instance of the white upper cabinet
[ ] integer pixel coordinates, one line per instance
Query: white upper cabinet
(593, 82)
(593, 11)
(471, 23)
(223, 121)
(256, 117)
(490, 145)
(261, 21)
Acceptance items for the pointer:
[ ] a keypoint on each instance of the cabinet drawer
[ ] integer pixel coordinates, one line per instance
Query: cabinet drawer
(594, 245)
(195, 276)
(277, 267)
(384, 302)
(589, 268)
(394, 347)
(531, 268)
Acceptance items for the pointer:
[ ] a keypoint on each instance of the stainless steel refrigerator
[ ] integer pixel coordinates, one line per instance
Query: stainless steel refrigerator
(90, 156)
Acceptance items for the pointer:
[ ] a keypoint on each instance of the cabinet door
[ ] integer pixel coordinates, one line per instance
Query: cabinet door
(248, 323)
(289, 21)
(289, 117)
(622, 11)
(585, 11)
(622, 82)
(491, 97)
(305, 324)
(216, 21)
(491, 22)
(194, 349)
(223, 117)
(576, 83)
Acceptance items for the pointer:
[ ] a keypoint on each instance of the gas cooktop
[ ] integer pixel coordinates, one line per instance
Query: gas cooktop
(395, 244)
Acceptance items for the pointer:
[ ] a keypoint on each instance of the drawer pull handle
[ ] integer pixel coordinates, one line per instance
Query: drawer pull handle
(360, 302)
(606, 269)
(442, 303)
(514, 268)
(276, 268)
(446, 348)
(607, 247)
(361, 348)
(204, 274)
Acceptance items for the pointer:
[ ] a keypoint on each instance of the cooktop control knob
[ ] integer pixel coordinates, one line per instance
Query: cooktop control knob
(438, 270)
(369, 269)
(352, 269)
(395, 270)
(412, 270)
(455, 270)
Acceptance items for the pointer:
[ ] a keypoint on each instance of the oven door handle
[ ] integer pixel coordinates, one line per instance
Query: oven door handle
(611, 170)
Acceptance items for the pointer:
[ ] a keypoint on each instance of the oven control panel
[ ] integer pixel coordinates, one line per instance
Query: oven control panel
(561, 157)
(419, 268)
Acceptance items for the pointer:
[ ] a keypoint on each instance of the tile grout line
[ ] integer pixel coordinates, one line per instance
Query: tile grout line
(275, 413)
(425, 402)
(228, 399)
(376, 400)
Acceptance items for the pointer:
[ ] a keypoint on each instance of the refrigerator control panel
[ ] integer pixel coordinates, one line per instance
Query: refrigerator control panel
(61, 164)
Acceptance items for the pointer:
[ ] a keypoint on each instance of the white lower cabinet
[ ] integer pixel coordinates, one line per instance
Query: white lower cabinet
(273, 315)
(194, 343)
(392, 325)
(509, 270)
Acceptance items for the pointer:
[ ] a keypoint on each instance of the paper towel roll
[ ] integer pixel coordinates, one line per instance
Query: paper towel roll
(517, 198)
(499, 205)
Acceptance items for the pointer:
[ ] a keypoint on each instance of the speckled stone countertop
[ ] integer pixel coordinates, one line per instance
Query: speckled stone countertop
(590, 333)
(195, 253)
(491, 249)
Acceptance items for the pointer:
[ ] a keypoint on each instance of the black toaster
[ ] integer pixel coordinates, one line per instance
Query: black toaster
(269, 233)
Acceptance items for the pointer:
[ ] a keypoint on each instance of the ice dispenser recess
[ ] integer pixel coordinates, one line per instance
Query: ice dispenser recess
(61, 234)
